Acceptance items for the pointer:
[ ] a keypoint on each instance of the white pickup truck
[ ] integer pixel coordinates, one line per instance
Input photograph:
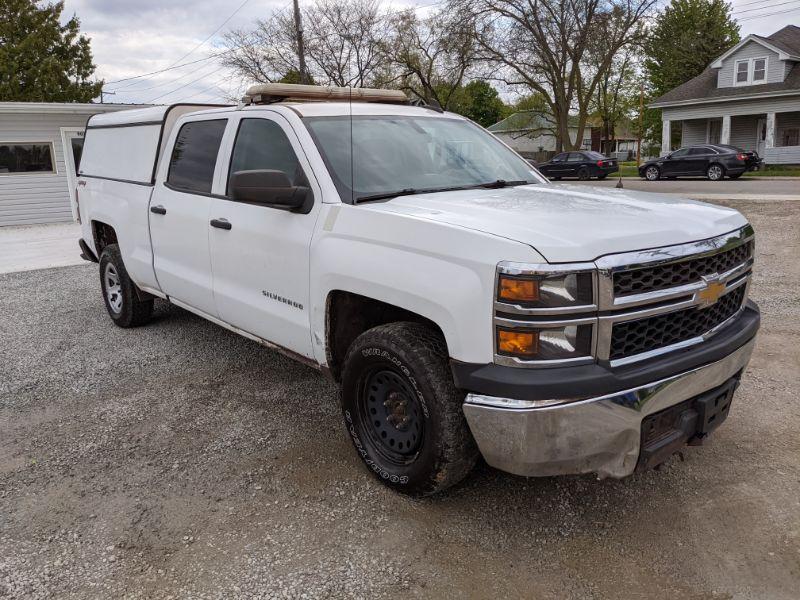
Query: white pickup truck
(464, 304)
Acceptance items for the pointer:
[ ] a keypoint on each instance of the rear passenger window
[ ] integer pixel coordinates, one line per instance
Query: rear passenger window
(262, 144)
(191, 167)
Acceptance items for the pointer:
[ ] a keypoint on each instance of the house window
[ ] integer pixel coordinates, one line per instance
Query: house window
(26, 158)
(759, 69)
(791, 137)
(750, 71)
(742, 71)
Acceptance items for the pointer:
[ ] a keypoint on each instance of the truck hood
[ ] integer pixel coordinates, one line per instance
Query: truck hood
(571, 223)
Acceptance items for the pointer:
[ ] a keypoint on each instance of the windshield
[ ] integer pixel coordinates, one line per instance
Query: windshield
(394, 155)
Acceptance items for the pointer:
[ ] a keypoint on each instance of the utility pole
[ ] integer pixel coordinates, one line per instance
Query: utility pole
(301, 51)
(104, 94)
(641, 113)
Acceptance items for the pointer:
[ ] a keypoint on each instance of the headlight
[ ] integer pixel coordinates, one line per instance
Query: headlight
(546, 290)
(545, 343)
(545, 315)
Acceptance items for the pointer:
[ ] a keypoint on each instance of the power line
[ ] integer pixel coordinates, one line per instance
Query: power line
(739, 12)
(173, 67)
(180, 87)
(779, 12)
(213, 33)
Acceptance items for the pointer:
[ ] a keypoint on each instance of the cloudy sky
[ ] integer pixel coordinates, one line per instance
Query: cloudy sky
(135, 37)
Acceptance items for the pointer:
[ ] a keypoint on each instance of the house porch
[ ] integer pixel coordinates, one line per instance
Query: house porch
(774, 135)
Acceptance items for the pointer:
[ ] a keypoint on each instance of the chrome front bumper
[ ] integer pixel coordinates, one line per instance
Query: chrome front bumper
(595, 435)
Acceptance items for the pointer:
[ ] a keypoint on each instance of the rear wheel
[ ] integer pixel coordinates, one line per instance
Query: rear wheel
(402, 410)
(119, 292)
(715, 172)
(652, 173)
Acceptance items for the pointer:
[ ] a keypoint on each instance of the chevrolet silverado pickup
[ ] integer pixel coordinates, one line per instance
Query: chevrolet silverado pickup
(465, 305)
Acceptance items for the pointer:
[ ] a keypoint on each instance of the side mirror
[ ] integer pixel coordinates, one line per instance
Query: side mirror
(270, 188)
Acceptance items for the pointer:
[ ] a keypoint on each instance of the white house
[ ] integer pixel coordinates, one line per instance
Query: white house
(532, 133)
(40, 147)
(749, 97)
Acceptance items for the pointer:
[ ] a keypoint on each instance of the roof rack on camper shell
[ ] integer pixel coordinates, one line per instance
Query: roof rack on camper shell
(269, 93)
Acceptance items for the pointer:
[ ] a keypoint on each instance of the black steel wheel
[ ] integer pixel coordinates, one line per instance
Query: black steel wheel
(402, 410)
(392, 414)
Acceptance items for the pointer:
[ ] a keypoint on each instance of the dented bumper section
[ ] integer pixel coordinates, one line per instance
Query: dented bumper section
(604, 434)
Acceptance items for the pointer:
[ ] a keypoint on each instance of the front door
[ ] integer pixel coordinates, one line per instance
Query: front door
(261, 264)
(72, 142)
(179, 215)
(761, 140)
(675, 163)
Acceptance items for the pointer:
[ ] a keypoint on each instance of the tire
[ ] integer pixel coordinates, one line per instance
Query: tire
(652, 173)
(715, 172)
(402, 410)
(583, 174)
(119, 292)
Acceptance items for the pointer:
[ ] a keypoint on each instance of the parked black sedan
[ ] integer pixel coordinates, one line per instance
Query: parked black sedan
(711, 160)
(583, 165)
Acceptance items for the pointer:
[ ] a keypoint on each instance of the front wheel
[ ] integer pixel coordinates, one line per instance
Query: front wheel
(402, 410)
(652, 173)
(124, 306)
(715, 172)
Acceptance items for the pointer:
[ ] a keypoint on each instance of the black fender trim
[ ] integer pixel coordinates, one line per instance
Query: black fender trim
(588, 381)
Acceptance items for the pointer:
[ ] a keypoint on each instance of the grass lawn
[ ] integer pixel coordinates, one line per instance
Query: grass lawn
(775, 171)
(629, 169)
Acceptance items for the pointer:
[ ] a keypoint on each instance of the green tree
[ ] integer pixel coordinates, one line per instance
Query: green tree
(479, 101)
(42, 60)
(684, 41)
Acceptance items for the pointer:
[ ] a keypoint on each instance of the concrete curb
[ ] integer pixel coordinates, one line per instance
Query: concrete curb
(745, 197)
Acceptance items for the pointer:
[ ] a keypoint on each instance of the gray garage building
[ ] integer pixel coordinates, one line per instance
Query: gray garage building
(40, 146)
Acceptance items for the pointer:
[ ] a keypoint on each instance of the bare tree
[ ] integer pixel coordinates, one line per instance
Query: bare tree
(558, 48)
(343, 42)
(431, 56)
(267, 52)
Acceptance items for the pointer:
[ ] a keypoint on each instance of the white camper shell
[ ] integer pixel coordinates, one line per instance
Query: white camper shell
(126, 145)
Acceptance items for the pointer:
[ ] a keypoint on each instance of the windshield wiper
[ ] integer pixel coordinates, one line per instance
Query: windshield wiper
(498, 183)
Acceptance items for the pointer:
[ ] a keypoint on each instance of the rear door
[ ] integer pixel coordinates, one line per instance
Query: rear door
(179, 214)
(696, 163)
(261, 263)
(575, 161)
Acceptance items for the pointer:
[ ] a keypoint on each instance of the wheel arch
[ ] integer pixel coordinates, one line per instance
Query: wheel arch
(348, 315)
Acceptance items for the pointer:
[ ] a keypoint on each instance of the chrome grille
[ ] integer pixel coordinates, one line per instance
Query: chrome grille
(636, 337)
(657, 301)
(669, 275)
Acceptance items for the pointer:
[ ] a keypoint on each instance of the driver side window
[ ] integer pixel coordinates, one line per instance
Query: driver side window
(679, 153)
(262, 144)
(560, 157)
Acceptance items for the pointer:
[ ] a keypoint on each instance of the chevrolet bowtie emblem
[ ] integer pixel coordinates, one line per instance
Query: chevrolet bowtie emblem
(711, 293)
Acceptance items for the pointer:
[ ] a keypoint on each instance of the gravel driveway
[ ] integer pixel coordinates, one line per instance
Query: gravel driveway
(179, 460)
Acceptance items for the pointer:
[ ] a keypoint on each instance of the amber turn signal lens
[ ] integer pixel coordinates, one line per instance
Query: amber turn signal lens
(518, 343)
(518, 290)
